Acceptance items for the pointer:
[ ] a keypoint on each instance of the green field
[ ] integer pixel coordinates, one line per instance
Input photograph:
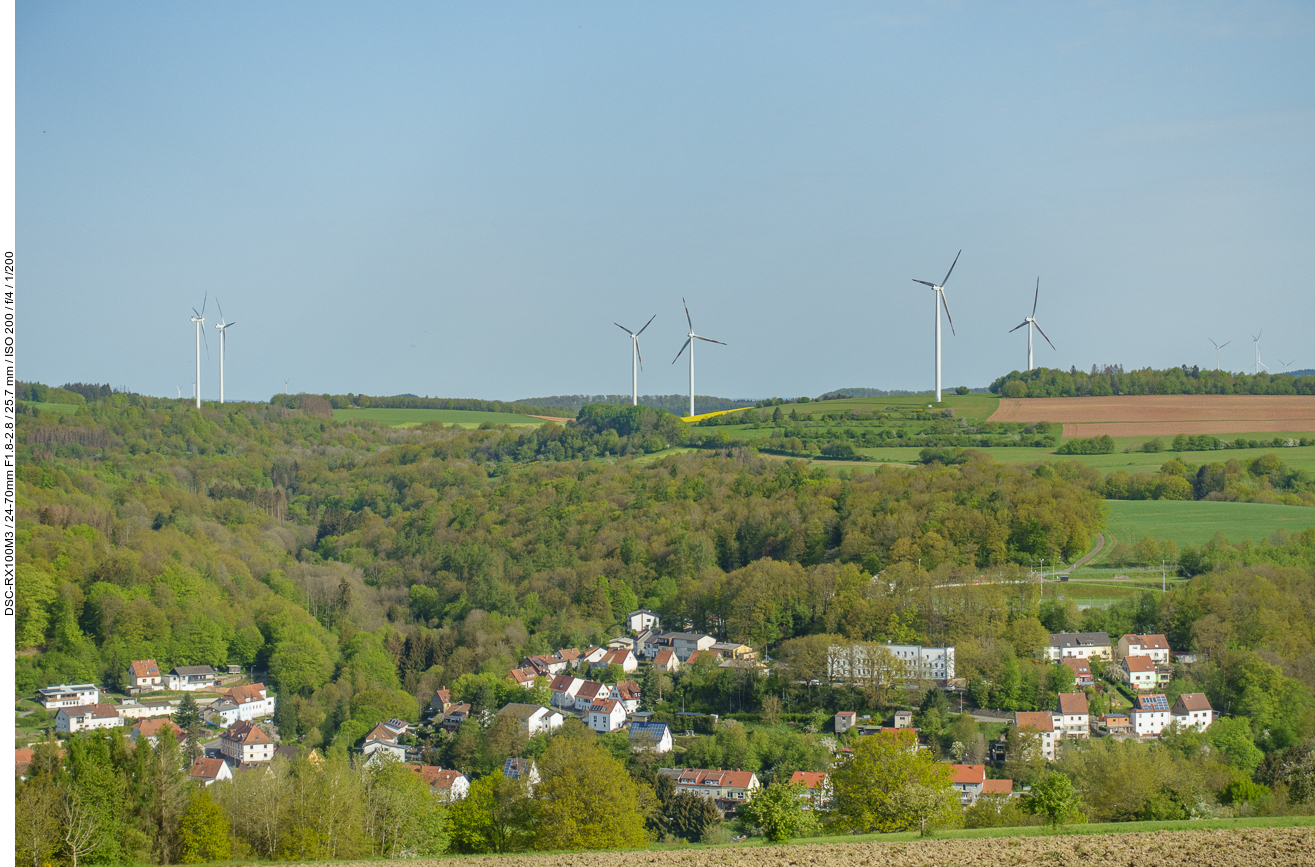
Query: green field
(972, 406)
(413, 417)
(53, 407)
(1300, 457)
(1195, 523)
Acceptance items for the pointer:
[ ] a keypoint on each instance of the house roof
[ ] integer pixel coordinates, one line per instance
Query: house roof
(246, 732)
(149, 728)
(22, 759)
(810, 779)
(641, 611)
(605, 705)
(1080, 639)
(462, 709)
(381, 732)
(562, 682)
(1042, 721)
(847, 713)
(522, 676)
(522, 711)
(1148, 703)
(648, 732)
(664, 657)
(515, 768)
(1190, 701)
(590, 690)
(206, 769)
(144, 668)
(710, 777)
(617, 657)
(1079, 665)
(997, 787)
(693, 657)
(192, 670)
(1073, 703)
(627, 690)
(1153, 641)
(969, 775)
(444, 780)
(685, 636)
(569, 654)
(1138, 664)
(247, 694)
(95, 711)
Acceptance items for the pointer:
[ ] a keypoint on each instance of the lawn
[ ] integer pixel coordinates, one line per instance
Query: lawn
(1195, 523)
(413, 417)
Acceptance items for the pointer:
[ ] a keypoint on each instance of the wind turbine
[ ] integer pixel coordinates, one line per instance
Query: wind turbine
(939, 290)
(1218, 346)
(1286, 364)
(689, 341)
(223, 338)
(1029, 322)
(635, 358)
(1259, 363)
(199, 320)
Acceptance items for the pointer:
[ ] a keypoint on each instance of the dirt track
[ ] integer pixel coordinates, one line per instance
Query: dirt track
(1251, 847)
(1164, 415)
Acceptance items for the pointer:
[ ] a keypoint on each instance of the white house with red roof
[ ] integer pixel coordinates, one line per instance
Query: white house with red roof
(251, 700)
(1074, 716)
(88, 716)
(207, 772)
(589, 692)
(621, 656)
(592, 654)
(605, 715)
(1150, 715)
(534, 718)
(627, 692)
(1081, 669)
(149, 730)
(1043, 724)
(144, 676)
(967, 782)
(1192, 710)
(243, 743)
(1138, 671)
(448, 785)
(1155, 645)
(845, 720)
(818, 788)
(666, 660)
(728, 789)
(563, 689)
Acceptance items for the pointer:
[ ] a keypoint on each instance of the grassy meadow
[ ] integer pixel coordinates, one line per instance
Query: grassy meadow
(413, 417)
(1195, 523)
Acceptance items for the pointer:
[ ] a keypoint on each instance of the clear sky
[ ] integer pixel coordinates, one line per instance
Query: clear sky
(460, 199)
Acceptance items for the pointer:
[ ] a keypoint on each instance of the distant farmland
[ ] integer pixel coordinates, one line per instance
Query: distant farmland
(1190, 522)
(413, 417)
(1164, 415)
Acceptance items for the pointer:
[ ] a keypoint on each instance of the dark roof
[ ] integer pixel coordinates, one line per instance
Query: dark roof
(1079, 639)
(648, 732)
(192, 669)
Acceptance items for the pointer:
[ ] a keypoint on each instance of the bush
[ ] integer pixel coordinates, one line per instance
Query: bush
(1101, 445)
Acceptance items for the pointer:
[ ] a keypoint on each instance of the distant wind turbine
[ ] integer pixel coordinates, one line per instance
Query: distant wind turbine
(689, 341)
(1286, 364)
(1218, 346)
(199, 319)
(1029, 322)
(1259, 363)
(939, 290)
(635, 357)
(223, 338)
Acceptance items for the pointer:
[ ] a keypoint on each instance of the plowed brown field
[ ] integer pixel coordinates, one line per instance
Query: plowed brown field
(1252, 847)
(1164, 415)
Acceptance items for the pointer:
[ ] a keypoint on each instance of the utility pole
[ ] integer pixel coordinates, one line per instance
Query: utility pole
(1163, 581)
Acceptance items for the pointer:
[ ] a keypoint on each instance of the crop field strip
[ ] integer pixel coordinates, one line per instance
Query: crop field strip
(413, 417)
(1165, 415)
(1190, 522)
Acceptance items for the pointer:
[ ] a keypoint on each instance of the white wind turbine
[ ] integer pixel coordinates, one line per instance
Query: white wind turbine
(689, 341)
(1259, 363)
(1029, 322)
(1218, 346)
(635, 357)
(223, 338)
(199, 319)
(939, 290)
(1286, 364)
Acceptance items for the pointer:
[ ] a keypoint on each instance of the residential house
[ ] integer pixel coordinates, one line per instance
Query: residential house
(1074, 718)
(968, 781)
(439, 704)
(1003, 788)
(522, 677)
(563, 689)
(455, 716)
(666, 660)
(654, 736)
(728, 789)
(1192, 709)
(752, 666)
(1081, 669)
(398, 727)
(1115, 723)
(903, 719)
(606, 715)
(621, 641)
(252, 701)
(924, 663)
(638, 621)
(568, 655)
(144, 676)
(1138, 671)
(151, 729)
(591, 655)
(447, 786)
(1083, 645)
(589, 692)
(524, 770)
(686, 643)
(68, 695)
(890, 662)
(533, 718)
(1150, 715)
(621, 656)
(627, 692)
(818, 788)
(222, 711)
(381, 742)
(1155, 646)
(207, 772)
(1043, 724)
(544, 665)
(733, 650)
(244, 742)
(87, 716)
(845, 721)
(190, 678)
(22, 761)
(132, 709)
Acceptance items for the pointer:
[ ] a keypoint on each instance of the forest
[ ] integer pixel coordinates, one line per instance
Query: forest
(1107, 380)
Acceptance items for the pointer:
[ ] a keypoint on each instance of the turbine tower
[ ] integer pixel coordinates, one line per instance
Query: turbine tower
(689, 341)
(635, 358)
(1286, 364)
(939, 295)
(1029, 322)
(1259, 363)
(199, 319)
(1218, 346)
(223, 338)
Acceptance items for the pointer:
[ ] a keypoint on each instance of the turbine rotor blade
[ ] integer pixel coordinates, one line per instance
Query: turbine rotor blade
(623, 328)
(639, 354)
(207, 344)
(1018, 326)
(646, 324)
(688, 341)
(951, 271)
(709, 339)
(1036, 297)
(687, 317)
(1043, 334)
(947, 305)
(924, 282)
(221, 309)
(1225, 344)
(204, 300)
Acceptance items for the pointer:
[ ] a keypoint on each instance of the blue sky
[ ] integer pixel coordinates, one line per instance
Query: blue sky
(460, 199)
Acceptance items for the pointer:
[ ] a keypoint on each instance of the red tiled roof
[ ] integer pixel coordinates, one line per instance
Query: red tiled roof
(1138, 664)
(144, 668)
(847, 713)
(246, 694)
(693, 657)
(1041, 721)
(1154, 641)
(1190, 701)
(206, 769)
(810, 779)
(246, 732)
(568, 654)
(714, 778)
(1079, 665)
(1073, 703)
(521, 676)
(604, 705)
(616, 657)
(969, 775)
(381, 732)
(998, 787)
(443, 780)
(561, 683)
(591, 690)
(149, 728)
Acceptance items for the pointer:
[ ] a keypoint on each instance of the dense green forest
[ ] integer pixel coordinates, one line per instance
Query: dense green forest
(1113, 379)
